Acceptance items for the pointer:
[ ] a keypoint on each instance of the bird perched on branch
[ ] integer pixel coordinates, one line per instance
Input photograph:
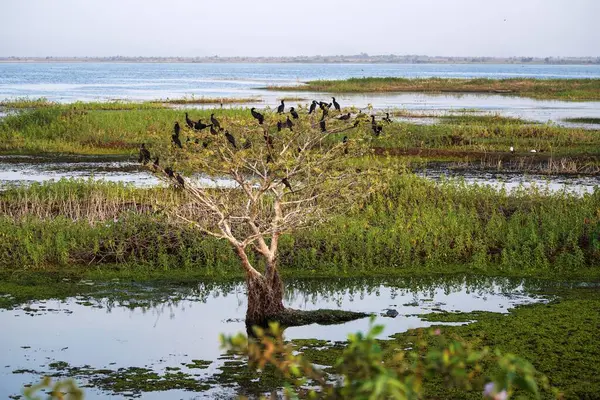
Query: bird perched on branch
(258, 116)
(213, 131)
(215, 122)
(268, 140)
(294, 113)
(175, 135)
(377, 129)
(313, 106)
(323, 126)
(201, 125)
(286, 183)
(281, 108)
(180, 180)
(169, 172)
(230, 139)
(279, 126)
(336, 105)
(189, 122)
(144, 155)
(344, 117)
(289, 124)
(387, 118)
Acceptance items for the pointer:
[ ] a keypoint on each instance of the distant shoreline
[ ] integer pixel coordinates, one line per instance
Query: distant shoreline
(356, 59)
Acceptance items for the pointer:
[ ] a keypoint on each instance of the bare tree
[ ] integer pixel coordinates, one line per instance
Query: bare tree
(282, 177)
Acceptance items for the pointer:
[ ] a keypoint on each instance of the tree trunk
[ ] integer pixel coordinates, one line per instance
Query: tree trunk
(265, 298)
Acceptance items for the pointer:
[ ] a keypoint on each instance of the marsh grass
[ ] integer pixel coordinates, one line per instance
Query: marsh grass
(91, 128)
(583, 120)
(209, 100)
(414, 223)
(563, 89)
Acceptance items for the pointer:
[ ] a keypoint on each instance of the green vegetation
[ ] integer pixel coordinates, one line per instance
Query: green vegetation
(583, 120)
(209, 100)
(412, 224)
(119, 128)
(363, 373)
(560, 89)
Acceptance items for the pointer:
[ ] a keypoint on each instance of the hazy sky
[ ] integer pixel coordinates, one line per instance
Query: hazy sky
(288, 28)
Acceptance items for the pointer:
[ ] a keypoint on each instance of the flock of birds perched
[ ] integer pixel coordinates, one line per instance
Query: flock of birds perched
(216, 129)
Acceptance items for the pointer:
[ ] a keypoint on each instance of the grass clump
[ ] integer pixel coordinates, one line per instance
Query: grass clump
(588, 120)
(560, 89)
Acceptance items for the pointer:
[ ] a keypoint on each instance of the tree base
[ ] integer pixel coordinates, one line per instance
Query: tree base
(290, 317)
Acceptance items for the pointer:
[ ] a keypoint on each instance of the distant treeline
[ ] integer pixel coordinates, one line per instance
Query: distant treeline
(358, 58)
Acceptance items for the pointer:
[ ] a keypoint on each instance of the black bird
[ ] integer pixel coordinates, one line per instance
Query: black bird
(247, 144)
(387, 118)
(230, 139)
(344, 117)
(323, 126)
(281, 108)
(279, 126)
(323, 105)
(268, 140)
(377, 129)
(188, 121)
(180, 180)
(289, 124)
(257, 115)
(345, 139)
(144, 155)
(213, 131)
(176, 129)
(294, 113)
(169, 172)
(287, 184)
(201, 125)
(336, 105)
(176, 141)
(175, 136)
(325, 113)
(313, 105)
(214, 121)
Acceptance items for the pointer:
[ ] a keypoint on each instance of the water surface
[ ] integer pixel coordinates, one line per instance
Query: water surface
(158, 327)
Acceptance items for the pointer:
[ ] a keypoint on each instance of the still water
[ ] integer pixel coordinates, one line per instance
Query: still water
(121, 326)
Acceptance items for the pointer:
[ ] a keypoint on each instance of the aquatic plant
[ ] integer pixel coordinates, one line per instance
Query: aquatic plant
(564, 89)
(365, 371)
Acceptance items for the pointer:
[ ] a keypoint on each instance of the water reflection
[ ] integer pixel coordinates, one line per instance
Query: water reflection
(123, 325)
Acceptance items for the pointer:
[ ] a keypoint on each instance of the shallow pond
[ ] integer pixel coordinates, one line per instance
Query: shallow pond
(164, 328)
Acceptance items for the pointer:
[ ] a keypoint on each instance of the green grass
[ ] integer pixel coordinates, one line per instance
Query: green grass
(414, 224)
(583, 120)
(559, 89)
(93, 128)
(209, 100)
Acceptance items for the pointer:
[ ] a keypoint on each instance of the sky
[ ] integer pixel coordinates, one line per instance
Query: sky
(189, 28)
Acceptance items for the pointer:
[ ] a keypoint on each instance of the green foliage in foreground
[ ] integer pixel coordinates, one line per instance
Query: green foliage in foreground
(413, 224)
(364, 375)
(562, 89)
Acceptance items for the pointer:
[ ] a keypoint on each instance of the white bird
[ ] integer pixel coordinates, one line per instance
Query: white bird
(512, 149)
(532, 151)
